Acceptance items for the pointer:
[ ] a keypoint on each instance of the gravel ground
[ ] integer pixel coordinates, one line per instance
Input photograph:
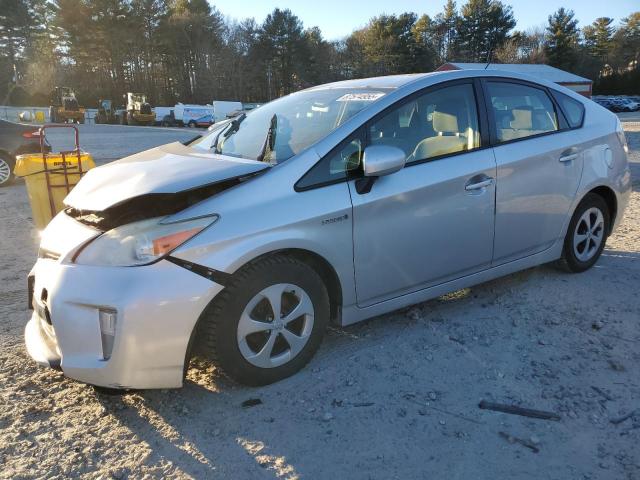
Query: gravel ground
(393, 397)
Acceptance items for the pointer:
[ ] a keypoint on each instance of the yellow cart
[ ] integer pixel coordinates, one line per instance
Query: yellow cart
(51, 176)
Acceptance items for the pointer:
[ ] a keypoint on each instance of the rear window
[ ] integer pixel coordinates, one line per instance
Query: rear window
(573, 109)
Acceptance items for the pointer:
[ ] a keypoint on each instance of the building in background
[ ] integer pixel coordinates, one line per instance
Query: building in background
(576, 83)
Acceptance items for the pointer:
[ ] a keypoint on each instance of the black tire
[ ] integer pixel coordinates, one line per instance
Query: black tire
(191, 124)
(7, 163)
(569, 260)
(219, 324)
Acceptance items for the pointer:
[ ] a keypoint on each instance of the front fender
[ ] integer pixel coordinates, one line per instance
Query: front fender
(317, 221)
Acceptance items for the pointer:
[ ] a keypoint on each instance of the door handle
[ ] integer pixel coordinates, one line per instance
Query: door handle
(568, 155)
(478, 185)
(568, 158)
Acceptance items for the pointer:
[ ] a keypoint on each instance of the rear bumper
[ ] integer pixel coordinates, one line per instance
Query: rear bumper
(157, 309)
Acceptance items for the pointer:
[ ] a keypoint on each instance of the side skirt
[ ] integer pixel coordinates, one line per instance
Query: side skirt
(352, 314)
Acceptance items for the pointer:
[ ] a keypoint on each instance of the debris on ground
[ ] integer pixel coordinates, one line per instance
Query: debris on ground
(526, 443)
(621, 419)
(251, 402)
(515, 410)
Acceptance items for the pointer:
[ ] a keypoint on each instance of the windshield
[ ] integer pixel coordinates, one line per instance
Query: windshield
(281, 129)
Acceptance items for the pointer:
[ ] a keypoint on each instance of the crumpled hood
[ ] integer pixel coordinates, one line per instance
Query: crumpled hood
(170, 168)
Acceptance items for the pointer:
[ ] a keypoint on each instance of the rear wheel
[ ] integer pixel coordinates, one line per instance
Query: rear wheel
(586, 235)
(268, 322)
(6, 170)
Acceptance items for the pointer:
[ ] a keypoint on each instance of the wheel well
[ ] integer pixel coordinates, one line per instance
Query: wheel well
(612, 203)
(324, 269)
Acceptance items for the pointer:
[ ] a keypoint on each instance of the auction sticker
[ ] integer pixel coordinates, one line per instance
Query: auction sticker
(361, 97)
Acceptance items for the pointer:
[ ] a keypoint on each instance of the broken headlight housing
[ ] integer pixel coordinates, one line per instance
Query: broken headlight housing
(141, 243)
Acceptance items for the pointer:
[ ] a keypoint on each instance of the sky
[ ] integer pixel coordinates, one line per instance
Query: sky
(338, 18)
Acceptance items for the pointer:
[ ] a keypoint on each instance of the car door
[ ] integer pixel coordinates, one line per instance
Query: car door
(433, 220)
(539, 164)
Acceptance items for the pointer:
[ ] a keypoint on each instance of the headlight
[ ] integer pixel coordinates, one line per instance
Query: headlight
(142, 242)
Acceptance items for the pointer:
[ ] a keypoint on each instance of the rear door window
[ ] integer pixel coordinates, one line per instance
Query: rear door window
(520, 111)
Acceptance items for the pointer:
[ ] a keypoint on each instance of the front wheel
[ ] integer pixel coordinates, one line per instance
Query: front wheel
(268, 322)
(586, 235)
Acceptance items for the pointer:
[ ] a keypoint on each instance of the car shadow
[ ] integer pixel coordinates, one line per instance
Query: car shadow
(205, 431)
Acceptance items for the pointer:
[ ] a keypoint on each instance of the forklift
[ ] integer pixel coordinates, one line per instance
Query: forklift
(64, 106)
(106, 112)
(138, 112)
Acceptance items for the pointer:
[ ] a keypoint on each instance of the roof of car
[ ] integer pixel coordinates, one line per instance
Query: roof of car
(398, 81)
(541, 70)
(389, 81)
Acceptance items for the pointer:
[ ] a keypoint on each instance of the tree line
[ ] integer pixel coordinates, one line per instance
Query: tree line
(185, 50)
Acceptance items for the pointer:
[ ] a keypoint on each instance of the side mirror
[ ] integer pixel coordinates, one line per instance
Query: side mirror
(379, 160)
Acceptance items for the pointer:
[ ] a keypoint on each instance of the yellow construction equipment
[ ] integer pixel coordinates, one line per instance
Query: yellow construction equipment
(139, 111)
(64, 106)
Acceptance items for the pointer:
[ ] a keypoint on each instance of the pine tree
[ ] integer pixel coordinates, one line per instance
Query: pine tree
(561, 48)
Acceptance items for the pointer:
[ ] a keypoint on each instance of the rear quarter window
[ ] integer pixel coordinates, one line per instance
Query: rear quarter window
(573, 109)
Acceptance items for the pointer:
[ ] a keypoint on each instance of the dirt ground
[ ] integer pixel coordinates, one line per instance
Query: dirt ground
(393, 397)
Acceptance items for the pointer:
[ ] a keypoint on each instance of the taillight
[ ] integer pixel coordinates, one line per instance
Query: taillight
(31, 134)
(621, 136)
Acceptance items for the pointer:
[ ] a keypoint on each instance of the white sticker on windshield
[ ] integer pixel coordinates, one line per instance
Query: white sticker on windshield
(360, 97)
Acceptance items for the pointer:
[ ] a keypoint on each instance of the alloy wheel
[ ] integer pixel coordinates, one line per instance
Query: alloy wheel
(589, 234)
(5, 171)
(275, 325)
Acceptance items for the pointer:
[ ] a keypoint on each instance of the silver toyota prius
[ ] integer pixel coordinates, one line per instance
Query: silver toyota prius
(330, 205)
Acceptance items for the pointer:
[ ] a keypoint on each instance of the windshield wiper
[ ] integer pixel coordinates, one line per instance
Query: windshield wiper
(233, 127)
(270, 140)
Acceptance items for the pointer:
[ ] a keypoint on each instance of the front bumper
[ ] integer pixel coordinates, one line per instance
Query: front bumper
(157, 309)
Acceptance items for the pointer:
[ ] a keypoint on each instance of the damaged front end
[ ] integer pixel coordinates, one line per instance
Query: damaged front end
(154, 183)
(147, 206)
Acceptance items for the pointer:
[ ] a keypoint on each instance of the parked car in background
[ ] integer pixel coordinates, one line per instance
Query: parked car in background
(16, 139)
(330, 205)
(618, 104)
(629, 105)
